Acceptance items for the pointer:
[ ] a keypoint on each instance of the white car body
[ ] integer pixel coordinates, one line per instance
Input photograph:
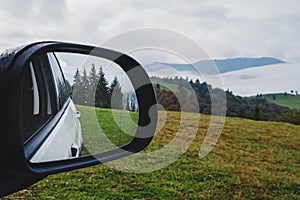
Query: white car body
(65, 138)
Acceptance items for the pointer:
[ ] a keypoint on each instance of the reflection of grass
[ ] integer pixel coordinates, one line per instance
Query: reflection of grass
(103, 129)
(252, 160)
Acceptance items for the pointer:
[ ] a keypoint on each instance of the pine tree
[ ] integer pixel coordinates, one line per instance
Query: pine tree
(77, 88)
(69, 88)
(157, 88)
(127, 107)
(116, 94)
(257, 111)
(102, 97)
(133, 102)
(85, 87)
(93, 80)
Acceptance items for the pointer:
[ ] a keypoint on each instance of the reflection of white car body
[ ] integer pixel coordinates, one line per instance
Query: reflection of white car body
(65, 140)
(47, 100)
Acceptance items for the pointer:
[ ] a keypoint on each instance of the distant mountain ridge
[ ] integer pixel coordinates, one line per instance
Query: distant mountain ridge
(223, 65)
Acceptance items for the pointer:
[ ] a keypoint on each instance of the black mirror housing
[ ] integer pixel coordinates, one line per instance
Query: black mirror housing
(16, 171)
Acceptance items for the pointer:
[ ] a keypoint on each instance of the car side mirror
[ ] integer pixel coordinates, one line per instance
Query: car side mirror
(46, 119)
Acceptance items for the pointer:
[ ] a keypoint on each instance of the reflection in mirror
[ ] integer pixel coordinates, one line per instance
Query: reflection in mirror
(101, 113)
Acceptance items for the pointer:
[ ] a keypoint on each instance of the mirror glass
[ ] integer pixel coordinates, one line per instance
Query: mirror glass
(94, 99)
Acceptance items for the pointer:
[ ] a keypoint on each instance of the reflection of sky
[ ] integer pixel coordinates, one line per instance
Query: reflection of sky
(70, 62)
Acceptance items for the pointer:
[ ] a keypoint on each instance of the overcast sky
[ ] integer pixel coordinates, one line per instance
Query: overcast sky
(231, 28)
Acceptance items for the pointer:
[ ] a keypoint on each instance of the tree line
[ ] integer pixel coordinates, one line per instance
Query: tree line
(255, 108)
(92, 89)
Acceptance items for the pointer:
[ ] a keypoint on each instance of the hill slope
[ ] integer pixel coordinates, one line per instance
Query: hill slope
(252, 160)
(287, 100)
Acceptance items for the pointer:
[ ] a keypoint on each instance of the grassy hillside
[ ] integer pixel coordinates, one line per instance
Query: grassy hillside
(252, 160)
(288, 100)
(98, 124)
(172, 85)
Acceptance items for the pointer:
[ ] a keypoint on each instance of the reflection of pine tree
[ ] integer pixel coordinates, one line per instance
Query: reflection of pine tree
(93, 80)
(85, 87)
(133, 102)
(115, 94)
(69, 87)
(127, 107)
(92, 89)
(102, 97)
(77, 88)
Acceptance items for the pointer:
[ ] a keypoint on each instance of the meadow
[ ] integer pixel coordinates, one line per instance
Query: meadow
(252, 160)
(104, 129)
(288, 100)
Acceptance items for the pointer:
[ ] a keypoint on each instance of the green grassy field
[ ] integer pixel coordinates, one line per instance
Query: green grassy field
(103, 129)
(252, 160)
(172, 85)
(288, 100)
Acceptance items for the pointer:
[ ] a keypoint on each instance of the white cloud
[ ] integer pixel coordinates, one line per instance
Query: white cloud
(225, 29)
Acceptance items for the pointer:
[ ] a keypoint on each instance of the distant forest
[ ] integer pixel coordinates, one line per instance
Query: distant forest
(92, 89)
(256, 108)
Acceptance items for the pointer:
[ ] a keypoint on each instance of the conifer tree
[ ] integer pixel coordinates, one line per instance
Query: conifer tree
(102, 97)
(127, 107)
(116, 94)
(133, 102)
(85, 87)
(77, 88)
(93, 80)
